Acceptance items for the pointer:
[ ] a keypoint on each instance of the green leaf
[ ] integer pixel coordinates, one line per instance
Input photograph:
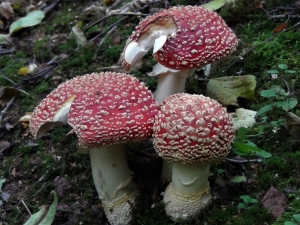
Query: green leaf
(289, 223)
(44, 216)
(31, 19)
(220, 171)
(238, 179)
(279, 90)
(2, 182)
(241, 206)
(290, 71)
(241, 132)
(245, 198)
(248, 149)
(282, 66)
(215, 4)
(36, 217)
(268, 93)
(264, 109)
(226, 90)
(273, 71)
(48, 219)
(297, 217)
(290, 103)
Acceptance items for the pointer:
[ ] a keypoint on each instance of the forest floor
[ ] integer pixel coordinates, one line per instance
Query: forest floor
(248, 188)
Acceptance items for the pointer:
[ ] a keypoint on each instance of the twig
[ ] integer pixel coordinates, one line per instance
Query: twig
(242, 161)
(50, 7)
(26, 207)
(11, 165)
(11, 101)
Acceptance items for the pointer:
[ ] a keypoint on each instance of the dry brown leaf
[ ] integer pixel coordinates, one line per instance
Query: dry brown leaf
(4, 145)
(279, 28)
(6, 10)
(275, 201)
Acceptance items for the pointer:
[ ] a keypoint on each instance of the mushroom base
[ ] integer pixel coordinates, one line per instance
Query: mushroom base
(188, 193)
(113, 180)
(179, 207)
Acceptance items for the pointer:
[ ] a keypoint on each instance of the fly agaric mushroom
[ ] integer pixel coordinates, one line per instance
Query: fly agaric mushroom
(183, 38)
(105, 110)
(192, 131)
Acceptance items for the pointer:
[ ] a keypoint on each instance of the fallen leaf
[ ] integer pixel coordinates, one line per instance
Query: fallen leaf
(4, 145)
(293, 124)
(6, 10)
(226, 90)
(280, 28)
(5, 39)
(31, 19)
(7, 93)
(243, 118)
(78, 34)
(275, 201)
(216, 4)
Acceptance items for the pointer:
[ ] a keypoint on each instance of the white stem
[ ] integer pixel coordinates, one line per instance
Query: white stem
(113, 181)
(170, 83)
(188, 193)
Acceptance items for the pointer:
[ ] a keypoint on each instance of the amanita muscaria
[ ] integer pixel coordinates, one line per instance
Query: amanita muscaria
(105, 110)
(183, 38)
(192, 131)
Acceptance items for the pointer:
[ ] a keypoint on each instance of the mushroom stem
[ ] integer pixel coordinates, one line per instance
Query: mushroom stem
(188, 192)
(170, 83)
(113, 181)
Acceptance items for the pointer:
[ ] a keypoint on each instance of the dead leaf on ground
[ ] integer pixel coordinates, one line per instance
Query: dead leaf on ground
(293, 124)
(226, 90)
(8, 126)
(6, 10)
(4, 145)
(62, 185)
(7, 93)
(275, 201)
(243, 118)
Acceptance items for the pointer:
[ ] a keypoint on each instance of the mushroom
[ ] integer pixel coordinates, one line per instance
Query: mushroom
(192, 131)
(105, 110)
(183, 38)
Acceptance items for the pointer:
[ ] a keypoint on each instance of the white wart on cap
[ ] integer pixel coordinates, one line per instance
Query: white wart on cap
(191, 129)
(119, 110)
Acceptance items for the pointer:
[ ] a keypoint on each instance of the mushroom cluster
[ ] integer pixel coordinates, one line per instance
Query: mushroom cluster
(105, 110)
(183, 38)
(192, 131)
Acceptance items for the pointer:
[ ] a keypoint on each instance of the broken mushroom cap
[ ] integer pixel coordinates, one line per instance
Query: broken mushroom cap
(53, 109)
(191, 129)
(118, 110)
(183, 37)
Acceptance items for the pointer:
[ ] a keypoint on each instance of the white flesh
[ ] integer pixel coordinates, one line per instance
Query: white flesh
(188, 193)
(155, 35)
(114, 184)
(59, 119)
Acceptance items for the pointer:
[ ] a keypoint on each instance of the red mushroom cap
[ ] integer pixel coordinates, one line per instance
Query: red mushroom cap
(192, 128)
(43, 117)
(202, 37)
(116, 109)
